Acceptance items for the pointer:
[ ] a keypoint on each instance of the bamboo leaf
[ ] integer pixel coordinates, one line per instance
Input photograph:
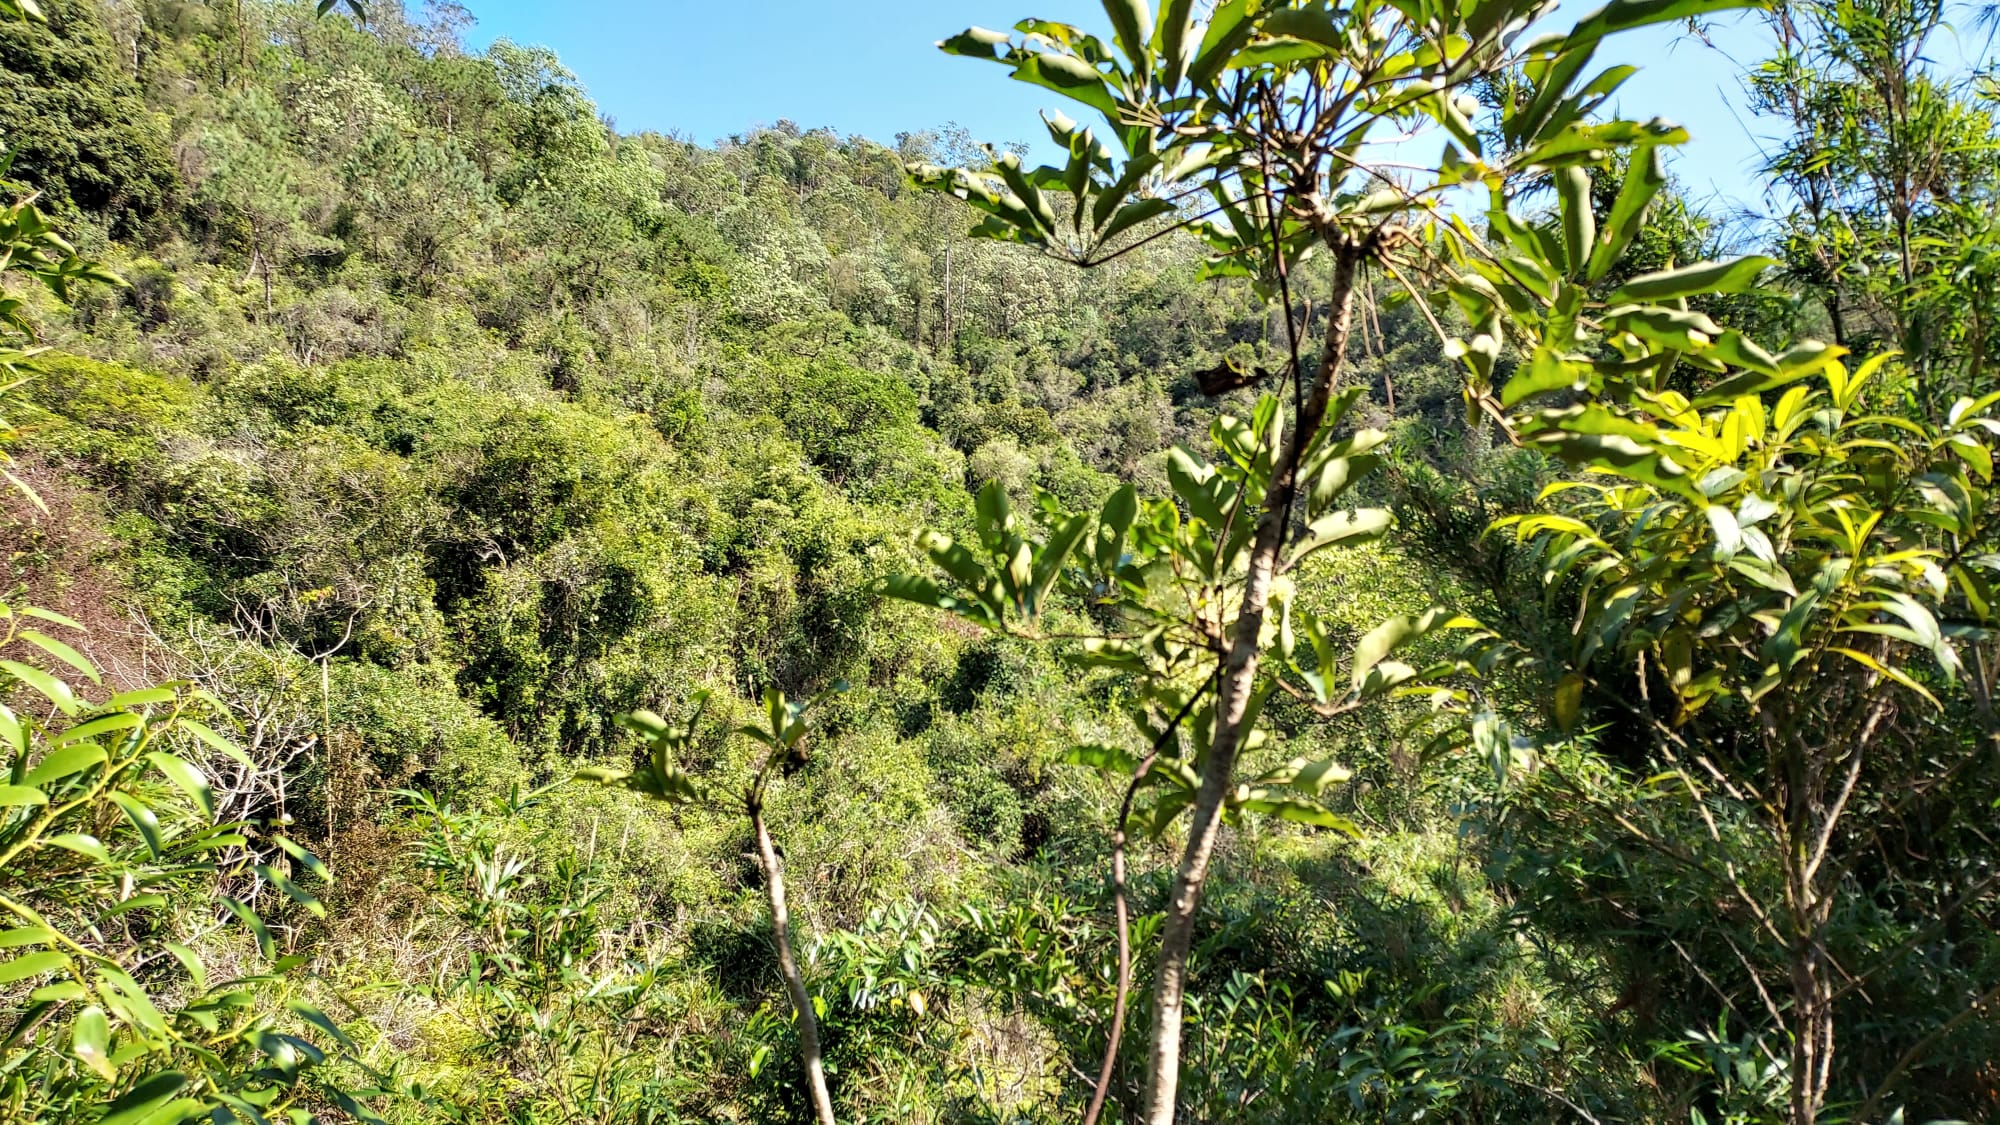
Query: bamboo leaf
(62, 652)
(55, 690)
(187, 778)
(90, 1043)
(32, 965)
(142, 818)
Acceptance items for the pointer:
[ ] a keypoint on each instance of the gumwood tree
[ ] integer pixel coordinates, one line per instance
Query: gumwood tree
(1773, 573)
(1269, 129)
(1762, 589)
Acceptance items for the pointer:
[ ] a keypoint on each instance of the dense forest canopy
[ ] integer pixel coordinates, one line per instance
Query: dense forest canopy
(513, 621)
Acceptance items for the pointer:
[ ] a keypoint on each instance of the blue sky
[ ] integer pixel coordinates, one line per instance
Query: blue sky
(708, 70)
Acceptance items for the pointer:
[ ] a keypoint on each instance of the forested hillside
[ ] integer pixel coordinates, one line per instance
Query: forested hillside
(509, 620)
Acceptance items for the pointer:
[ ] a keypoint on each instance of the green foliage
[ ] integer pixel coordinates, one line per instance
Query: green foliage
(113, 867)
(77, 125)
(30, 245)
(544, 998)
(441, 423)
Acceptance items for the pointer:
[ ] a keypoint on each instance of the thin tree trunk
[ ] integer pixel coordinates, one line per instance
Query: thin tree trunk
(1238, 683)
(781, 927)
(1812, 1035)
(1124, 920)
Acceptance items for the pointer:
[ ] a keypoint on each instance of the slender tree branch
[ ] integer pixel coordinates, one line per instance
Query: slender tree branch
(1120, 905)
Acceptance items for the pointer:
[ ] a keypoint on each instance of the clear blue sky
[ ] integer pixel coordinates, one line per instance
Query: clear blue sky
(708, 70)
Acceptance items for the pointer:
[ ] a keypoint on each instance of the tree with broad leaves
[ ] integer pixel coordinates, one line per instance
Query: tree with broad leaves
(659, 776)
(1270, 129)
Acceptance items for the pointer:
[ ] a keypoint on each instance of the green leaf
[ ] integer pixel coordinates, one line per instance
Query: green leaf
(1579, 220)
(1052, 558)
(1808, 357)
(1396, 632)
(1335, 478)
(103, 724)
(1301, 23)
(1619, 455)
(197, 972)
(1352, 528)
(1976, 456)
(1229, 28)
(1164, 811)
(1071, 77)
(187, 778)
(1728, 533)
(142, 818)
(254, 924)
(1009, 168)
(53, 618)
(1895, 674)
(924, 592)
(215, 741)
(1544, 373)
(1679, 329)
(1493, 740)
(86, 846)
(32, 964)
(27, 935)
(55, 690)
(1732, 275)
(1099, 756)
(304, 858)
(1624, 15)
(319, 1019)
(1569, 701)
(1113, 523)
(127, 1001)
(13, 731)
(1313, 778)
(144, 697)
(63, 653)
(975, 43)
(136, 902)
(1275, 51)
(292, 890)
(90, 1042)
(138, 1105)
(1131, 215)
(1643, 181)
(1302, 812)
(646, 724)
(1552, 79)
(1206, 494)
(1587, 143)
(1132, 21)
(61, 992)
(1175, 40)
(15, 795)
(996, 516)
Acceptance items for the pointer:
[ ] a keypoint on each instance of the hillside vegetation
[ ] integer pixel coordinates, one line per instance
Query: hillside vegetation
(509, 620)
